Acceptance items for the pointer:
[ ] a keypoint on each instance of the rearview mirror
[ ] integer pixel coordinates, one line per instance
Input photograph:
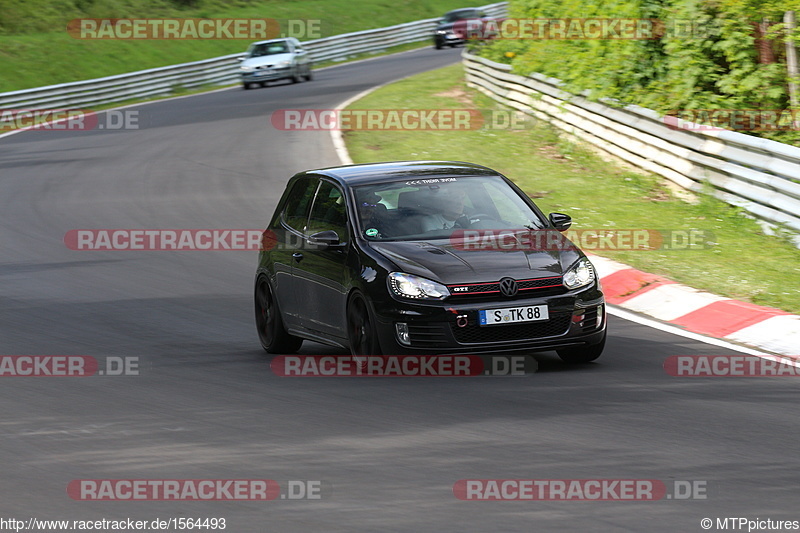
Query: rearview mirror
(325, 239)
(560, 221)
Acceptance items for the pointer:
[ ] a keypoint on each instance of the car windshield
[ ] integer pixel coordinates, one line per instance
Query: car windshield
(460, 15)
(432, 208)
(268, 49)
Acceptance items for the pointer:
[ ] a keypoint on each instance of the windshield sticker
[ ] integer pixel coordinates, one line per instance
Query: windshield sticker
(430, 180)
(371, 232)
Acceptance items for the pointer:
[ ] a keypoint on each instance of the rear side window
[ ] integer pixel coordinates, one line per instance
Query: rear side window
(295, 213)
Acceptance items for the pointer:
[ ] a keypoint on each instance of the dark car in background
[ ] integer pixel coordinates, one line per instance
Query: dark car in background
(378, 258)
(452, 28)
(275, 59)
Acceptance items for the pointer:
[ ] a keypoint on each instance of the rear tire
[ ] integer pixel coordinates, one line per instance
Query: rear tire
(582, 354)
(264, 83)
(271, 332)
(246, 86)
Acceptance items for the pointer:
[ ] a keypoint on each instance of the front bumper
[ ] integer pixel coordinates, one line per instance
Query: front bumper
(260, 75)
(447, 39)
(576, 319)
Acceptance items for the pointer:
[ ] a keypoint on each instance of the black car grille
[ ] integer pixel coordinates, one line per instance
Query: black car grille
(426, 336)
(527, 287)
(590, 321)
(475, 334)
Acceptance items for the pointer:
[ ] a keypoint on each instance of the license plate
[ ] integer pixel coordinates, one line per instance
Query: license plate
(263, 72)
(513, 315)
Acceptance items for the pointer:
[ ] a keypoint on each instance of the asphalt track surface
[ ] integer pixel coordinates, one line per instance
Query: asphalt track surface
(207, 406)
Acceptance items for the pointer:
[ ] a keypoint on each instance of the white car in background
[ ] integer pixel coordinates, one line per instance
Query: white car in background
(275, 59)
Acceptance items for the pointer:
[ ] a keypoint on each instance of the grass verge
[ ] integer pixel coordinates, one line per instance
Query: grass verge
(742, 262)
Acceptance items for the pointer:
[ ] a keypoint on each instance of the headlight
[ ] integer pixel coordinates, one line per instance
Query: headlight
(579, 275)
(246, 69)
(441, 32)
(283, 64)
(409, 286)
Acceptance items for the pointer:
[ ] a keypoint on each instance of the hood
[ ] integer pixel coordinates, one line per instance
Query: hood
(261, 61)
(443, 262)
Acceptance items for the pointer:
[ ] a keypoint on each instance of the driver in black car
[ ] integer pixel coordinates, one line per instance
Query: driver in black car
(449, 204)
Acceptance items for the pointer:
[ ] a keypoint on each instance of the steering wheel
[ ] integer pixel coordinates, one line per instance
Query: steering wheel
(478, 216)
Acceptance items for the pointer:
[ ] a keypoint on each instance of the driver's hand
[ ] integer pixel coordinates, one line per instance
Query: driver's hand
(462, 222)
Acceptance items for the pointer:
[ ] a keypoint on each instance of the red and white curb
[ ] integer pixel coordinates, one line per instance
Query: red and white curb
(696, 311)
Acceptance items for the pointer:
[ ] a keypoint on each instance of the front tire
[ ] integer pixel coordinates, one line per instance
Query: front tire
(271, 332)
(582, 354)
(361, 330)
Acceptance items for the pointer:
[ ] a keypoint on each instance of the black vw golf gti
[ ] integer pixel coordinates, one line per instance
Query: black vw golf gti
(425, 257)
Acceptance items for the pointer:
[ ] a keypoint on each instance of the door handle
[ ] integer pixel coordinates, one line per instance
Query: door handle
(297, 256)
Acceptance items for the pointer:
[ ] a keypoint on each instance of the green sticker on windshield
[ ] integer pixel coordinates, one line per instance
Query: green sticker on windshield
(371, 232)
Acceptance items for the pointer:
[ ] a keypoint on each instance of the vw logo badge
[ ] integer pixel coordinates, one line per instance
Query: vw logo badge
(508, 287)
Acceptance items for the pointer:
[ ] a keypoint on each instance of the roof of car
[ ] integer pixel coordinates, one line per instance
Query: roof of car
(280, 39)
(398, 170)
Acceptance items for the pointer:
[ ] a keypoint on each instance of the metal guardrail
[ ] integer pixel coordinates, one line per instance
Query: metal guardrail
(217, 71)
(753, 173)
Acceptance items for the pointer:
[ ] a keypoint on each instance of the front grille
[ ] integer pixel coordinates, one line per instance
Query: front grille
(425, 336)
(527, 287)
(475, 334)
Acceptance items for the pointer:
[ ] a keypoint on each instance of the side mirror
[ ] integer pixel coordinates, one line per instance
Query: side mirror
(560, 221)
(325, 239)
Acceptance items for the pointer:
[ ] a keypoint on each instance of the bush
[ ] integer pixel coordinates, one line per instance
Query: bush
(726, 61)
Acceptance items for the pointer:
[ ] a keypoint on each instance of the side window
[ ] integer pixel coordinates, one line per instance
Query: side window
(295, 212)
(329, 211)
